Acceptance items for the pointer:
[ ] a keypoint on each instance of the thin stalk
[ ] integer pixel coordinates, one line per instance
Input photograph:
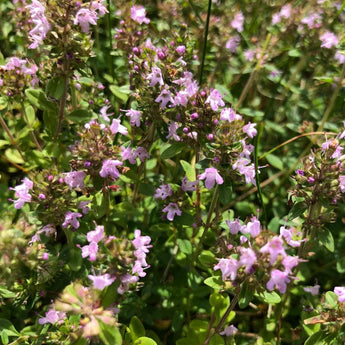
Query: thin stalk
(252, 74)
(205, 41)
(223, 319)
(110, 42)
(332, 101)
(208, 220)
(32, 132)
(13, 141)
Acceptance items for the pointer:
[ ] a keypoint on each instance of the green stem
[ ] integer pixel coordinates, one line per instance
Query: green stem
(205, 41)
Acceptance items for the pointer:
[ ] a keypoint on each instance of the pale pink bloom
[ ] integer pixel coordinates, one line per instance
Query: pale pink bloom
(215, 100)
(116, 127)
(127, 153)
(250, 130)
(98, 5)
(229, 114)
(52, 316)
(228, 268)
(96, 235)
(340, 57)
(163, 191)
(181, 50)
(181, 98)
(84, 18)
(234, 226)
(211, 176)
(275, 248)
(141, 153)
(138, 14)
(126, 279)
(109, 168)
(71, 218)
(188, 186)
(83, 205)
(155, 76)
(314, 20)
(173, 126)
(90, 251)
(328, 39)
(233, 43)
(287, 234)
(314, 290)
(75, 179)
(253, 227)
(135, 116)
(248, 258)
(249, 54)
(237, 23)
(172, 210)
(104, 114)
(279, 280)
(340, 291)
(244, 169)
(164, 97)
(102, 281)
(289, 262)
(229, 331)
(22, 193)
(247, 149)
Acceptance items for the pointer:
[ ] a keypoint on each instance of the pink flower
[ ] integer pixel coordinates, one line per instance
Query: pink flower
(215, 100)
(188, 186)
(172, 210)
(142, 153)
(116, 127)
(83, 205)
(212, 176)
(71, 218)
(127, 153)
(328, 39)
(342, 183)
(314, 290)
(228, 268)
(233, 43)
(250, 130)
(253, 227)
(104, 114)
(173, 126)
(126, 279)
(290, 262)
(163, 191)
(134, 116)
(340, 291)
(155, 76)
(138, 14)
(274, 247)
(340, 57)
(234, 226)
(279, 280)
(247, 258)
(287, 234)
(164, 97)
(237, 23)
(84, 18)
(90, 251)
(22, 193)
(181, 50)
(229, 331)
(52, 316)
(228, 114)
(109, 168)
(96, 235)
(75, 179)
(102, 281)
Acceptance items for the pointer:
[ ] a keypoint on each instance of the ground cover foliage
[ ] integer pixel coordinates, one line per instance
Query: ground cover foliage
(172, 172)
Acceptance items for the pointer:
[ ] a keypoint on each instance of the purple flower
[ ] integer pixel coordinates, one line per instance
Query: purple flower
(141, 244)
(244, 169)
(134, 116)
(181, 50)
(228, 268)
(287, 234)
(211, 175)
(138, 14)
(314, 20)
(279, 280)
(274, 247)
(127, 153)
(163, 191)
(155, 76)
(104, 114)
(253, 227)
(314, 290)
(247, 258)
(215, 100)
(342, 183)
(233, 43)
(250, 130)
(83, 205)
(289, 262)
(90, 251)
(228, 114)
(142, 153)
(71, 218)
(173, 126)
(52, 316)
(22, 193)
(172, 210)
(100, 282)
(42, 26)
(328, 39)
(229, 331)
(164, 97)
(75, 179)
(116, 127)
(126, 279)
(84, 18)
(188, 186)
(340, 291)
(234, 226)
(96, 235)
(340, 57)
(237, 23)
(109, 168)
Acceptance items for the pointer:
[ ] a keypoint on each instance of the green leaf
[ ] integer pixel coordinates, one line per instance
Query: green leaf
(189, 170)
(8, 327)
(100, 205)
(110, 335)
(275, 161)
(206, 258)
(326, 239)
(331, 300)
(4, 337)
(38, 99)
(6, 293)
(75, 259)
(316, 338)
(136, 327)
(30, 113)
(55, 87)
(14, 156)
(144, 341)
(294, 53)
(245, 296)
(225, 193)
(146, 189)
(80, 115)
(341, 265)
(297, 210)
(173, 150)
(120, 92)
(185, 246)
(214, 282)
(270, 297)
(50, 120)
